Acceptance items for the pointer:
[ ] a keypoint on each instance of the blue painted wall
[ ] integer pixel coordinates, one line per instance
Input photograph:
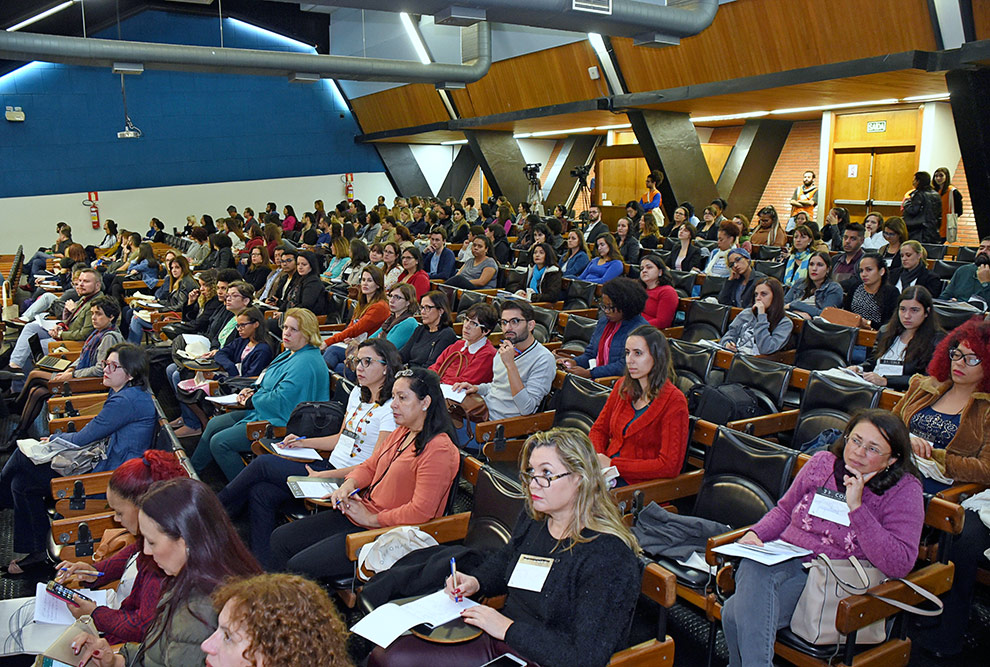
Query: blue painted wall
(198, 128)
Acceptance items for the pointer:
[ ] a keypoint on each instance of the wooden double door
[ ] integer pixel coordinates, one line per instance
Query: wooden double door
(869, 179)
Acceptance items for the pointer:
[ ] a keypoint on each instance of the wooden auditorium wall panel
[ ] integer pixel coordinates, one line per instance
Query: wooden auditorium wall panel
(981, 19)
(551, 76)
(893, 127)
(405, 106)
(753, 37)
(622, 178)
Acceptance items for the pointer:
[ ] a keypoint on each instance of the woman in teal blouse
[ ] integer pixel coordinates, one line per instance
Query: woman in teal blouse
(297, 375)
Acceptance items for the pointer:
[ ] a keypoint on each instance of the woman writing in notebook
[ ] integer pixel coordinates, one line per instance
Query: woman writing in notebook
(405, 481)
(261, 489)
(554, 614)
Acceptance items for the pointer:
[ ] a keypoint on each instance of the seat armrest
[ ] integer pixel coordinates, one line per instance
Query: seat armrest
(659, 585)
(66, 531)
(713, 558)
(93, 483)
(515, 426)
(513, 448)
(79, 386)
(960, 492)
(256, 430)
(62, 423)
(767, 424)
(445, 529)
(661, 490)
(945, 515)
(784, 357)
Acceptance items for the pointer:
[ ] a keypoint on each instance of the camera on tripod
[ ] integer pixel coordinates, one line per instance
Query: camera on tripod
(581, 173)
(532, 172)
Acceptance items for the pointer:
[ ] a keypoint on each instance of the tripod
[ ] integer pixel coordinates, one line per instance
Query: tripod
(535, 196)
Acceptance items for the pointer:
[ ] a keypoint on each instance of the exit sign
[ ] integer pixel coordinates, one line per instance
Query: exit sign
(876, 126)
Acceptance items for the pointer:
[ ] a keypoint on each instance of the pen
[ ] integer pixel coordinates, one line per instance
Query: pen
(453, 574)
(89, 572)
(282, 444)
(349, 495)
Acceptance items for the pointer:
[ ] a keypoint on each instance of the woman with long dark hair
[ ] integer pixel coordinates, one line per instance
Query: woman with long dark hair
(607, 264)
(871, 466)
(307, 290)
(952, 200)
(261, 489)
(762, 329)
(906, 343)
(543, 278)
(406, 481)
(370, 313)
(258, 268)
(252, 350)
(574, 257)
(626, 239)
(810, 295)
(173, 295)
(874, 299)
(189, 536)
(643, 430)
(412, 270)
(127, 619)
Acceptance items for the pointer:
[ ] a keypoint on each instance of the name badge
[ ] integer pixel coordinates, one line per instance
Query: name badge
(831, 506)
(887, 369)
(530, 573)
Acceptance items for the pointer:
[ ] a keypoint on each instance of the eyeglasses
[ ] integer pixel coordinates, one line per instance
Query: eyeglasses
(364, 362)
(969, 359)
(608, 308)
(473, 323)
(241, 325)
(542, 481)
(514, 322)
(111, 366)
(396, 295)
(427, 306)
(871, 450)
(889, 233)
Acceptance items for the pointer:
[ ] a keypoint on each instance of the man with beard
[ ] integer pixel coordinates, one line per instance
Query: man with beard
(805, 198)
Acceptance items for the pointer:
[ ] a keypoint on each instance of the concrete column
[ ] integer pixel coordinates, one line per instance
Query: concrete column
(402, 169)
(501, 162)
(747, 171)
(969, 91)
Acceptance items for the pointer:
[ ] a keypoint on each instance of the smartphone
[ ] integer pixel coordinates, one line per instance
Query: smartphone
(505, 660)
(52, 662)
(65, 593)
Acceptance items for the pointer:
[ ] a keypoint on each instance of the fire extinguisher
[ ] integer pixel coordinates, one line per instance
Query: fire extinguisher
(94, 208)
(349, 187)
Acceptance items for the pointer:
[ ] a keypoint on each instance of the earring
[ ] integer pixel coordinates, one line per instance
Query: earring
(425, 408)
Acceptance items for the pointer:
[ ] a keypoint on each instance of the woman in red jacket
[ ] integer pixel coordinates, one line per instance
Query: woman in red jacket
(643, 430)
(413, 273)
(661, 297)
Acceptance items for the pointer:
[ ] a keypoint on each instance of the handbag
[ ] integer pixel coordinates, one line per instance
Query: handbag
(829, 581)
(61, 648)
(382, 554)
(79, 460)
(473, 408)
(951, 220)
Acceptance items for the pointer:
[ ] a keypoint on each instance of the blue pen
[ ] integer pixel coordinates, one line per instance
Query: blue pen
(350, 495)
(282, 444)
(453, 574)
(91, 572)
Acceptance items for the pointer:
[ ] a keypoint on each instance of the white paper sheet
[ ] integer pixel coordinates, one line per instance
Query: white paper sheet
(697, 562)
(50, 609)
(307, 453)
(770, 553)
(930, 469)
(316, 488)
(386, 623)
(449, 393)
(45, 324)
(229, 399)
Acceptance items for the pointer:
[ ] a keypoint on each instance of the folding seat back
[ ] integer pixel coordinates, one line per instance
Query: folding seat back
(828, 403)
(705, 321)
(822, 345)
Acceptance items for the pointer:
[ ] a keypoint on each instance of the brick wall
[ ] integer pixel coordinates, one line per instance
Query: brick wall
(967, 221)
(800, 153)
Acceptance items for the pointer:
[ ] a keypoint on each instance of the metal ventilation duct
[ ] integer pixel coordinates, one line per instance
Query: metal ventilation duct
(648, 22)
(106, 52)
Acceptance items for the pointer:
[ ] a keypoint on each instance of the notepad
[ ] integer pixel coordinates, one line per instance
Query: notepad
(929, 468)
(50, 609)
(314, 488)
(386, 623)
(771, 553)
(305, 453)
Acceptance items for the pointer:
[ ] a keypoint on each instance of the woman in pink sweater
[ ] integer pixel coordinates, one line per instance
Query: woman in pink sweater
(643, 430)
(871, 466)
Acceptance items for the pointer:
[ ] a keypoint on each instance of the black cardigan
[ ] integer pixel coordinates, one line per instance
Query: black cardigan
(310, 293)
(424, 347)
(925, 279)
(589, 583)
(693, 260)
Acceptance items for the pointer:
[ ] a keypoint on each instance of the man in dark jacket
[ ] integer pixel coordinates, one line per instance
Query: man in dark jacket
(923, 210)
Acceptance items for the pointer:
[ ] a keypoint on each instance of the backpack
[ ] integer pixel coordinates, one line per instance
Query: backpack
(316, 418)
(724, 403)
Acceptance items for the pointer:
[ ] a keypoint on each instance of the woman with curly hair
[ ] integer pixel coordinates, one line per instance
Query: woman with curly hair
(254, 629)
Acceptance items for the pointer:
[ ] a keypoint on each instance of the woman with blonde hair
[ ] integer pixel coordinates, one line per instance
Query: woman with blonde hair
(573, 529)
(341, 249)
(276, 619)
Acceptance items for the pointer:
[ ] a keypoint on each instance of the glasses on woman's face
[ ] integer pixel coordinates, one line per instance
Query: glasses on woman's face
(112, 366)
(969, 359)
(473, 323)
(871, 450)
(396, 296)
(426, 306)
(365, 362)
(542, 481)
(889, 233)
(241, 325)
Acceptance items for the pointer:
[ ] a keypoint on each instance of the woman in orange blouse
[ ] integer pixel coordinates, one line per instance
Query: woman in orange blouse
(643, 430)
(406, 481)
(371, 311)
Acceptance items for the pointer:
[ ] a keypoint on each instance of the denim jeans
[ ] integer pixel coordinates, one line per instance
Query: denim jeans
(334, 356)
(764, 600)
(40, 305)
(21, 355)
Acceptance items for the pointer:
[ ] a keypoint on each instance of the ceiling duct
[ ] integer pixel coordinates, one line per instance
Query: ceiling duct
(105, 52)
(648, 22)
